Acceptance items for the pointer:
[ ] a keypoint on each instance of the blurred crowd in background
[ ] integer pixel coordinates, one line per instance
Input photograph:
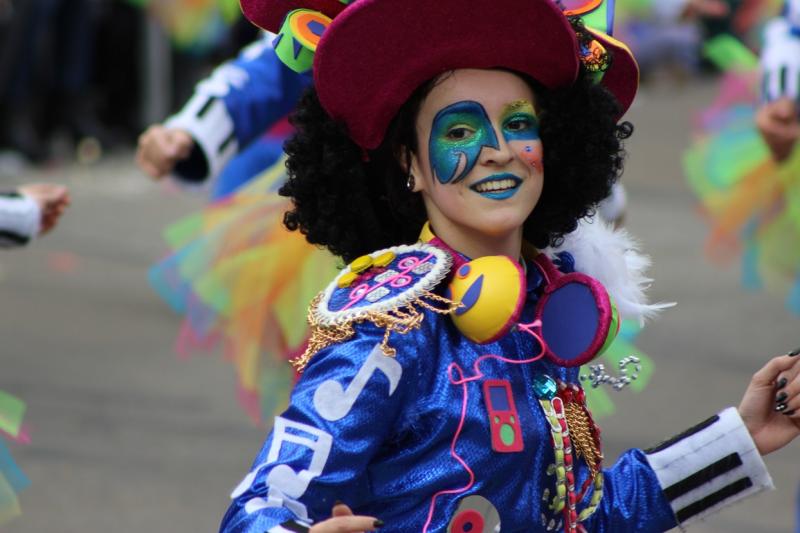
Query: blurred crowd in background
(74, 74)
(77, 76)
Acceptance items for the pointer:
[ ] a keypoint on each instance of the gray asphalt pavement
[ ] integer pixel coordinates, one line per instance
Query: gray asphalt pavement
(128, 438)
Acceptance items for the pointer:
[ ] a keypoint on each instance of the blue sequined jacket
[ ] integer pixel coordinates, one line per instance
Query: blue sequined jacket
(409, 440)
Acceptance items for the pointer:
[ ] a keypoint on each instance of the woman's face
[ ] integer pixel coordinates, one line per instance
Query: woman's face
(479, 158)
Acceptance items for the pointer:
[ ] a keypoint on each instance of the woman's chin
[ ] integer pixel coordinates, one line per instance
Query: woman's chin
(500, 226)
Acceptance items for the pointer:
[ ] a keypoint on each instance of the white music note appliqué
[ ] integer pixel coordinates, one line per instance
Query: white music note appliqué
(285, 485)
(333, 402)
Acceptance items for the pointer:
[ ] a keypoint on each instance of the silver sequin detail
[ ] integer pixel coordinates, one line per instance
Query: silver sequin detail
(377, 294)
(380, 278)
(598, 376)
(423, 268)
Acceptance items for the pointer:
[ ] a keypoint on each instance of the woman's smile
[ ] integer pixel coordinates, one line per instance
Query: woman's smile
(497, 186)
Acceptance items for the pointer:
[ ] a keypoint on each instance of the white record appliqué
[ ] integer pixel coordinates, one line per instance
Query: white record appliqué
(413, 272)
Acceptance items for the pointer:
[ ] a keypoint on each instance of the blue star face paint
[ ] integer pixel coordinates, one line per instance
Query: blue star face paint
(458, 134)
(521, 132)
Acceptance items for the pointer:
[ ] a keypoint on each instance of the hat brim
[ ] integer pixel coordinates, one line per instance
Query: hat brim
(269, 14)
(622, 77)
(377, 52)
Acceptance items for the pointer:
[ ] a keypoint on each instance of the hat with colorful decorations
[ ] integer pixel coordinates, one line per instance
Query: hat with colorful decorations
(368, 56)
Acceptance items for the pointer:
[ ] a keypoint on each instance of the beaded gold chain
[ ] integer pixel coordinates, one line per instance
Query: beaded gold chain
(400, 320)
(571, 429)
(581, 429)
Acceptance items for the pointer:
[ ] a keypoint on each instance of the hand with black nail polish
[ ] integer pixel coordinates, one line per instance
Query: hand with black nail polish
(769, 404)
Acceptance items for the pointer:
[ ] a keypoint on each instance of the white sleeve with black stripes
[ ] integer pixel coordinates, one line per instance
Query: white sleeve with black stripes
(207, 120)
(780, 58)
(20, 219)
(708, 467)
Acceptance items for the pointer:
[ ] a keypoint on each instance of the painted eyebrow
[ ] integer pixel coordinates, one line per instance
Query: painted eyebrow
(456, 111)
(519, 105)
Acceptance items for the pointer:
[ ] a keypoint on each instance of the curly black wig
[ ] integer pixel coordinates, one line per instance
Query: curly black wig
(354, 202)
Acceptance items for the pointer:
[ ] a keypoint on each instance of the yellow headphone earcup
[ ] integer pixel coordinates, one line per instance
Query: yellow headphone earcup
(491, 291)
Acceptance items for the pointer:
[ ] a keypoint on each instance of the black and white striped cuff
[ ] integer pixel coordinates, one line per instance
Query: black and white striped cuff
(708, 467)
(780, 61)
(206, 118)
(20, 219)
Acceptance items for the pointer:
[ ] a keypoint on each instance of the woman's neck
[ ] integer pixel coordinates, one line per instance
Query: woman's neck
(474, 244)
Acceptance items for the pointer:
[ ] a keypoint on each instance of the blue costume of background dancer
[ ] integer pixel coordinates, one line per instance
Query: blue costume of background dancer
(236, 118)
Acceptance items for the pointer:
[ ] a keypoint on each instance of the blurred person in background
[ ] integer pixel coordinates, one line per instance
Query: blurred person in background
(661, 34)
(45, 74)
(668, 33)
(229, 132)
(744, 164)
(671, 34)
(778, 118)
(29, 211)
(25, 213)
(231, 129)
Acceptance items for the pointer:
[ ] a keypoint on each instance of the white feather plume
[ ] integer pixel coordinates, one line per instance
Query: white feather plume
(612, 257)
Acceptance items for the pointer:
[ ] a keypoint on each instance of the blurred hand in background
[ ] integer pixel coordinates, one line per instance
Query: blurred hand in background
(779, 124)
(52, 199)
(160, 149)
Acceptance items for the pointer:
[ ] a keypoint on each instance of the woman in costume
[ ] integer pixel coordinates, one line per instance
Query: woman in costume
(440, 388)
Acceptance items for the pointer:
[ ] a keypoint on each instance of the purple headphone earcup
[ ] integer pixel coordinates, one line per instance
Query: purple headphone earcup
(576, 314)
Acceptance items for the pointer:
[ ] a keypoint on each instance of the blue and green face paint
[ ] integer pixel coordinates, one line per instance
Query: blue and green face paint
(521, 131)
(458, 134)
(461, 130)
(519, 122)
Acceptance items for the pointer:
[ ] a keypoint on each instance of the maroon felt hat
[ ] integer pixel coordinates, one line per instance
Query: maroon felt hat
(375, 53)
(269, 14)
(622, 78)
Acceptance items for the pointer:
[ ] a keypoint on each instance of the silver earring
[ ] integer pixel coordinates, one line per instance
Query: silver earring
(411, 183)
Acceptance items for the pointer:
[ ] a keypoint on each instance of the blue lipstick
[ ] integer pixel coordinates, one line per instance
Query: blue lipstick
(497, 186)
